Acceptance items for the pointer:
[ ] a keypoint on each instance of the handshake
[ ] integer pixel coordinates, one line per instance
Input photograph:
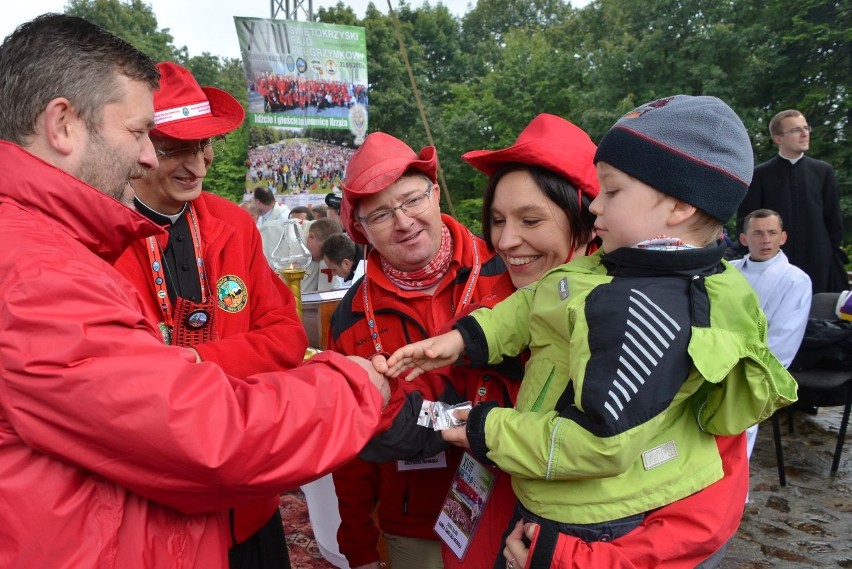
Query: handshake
(420, 356)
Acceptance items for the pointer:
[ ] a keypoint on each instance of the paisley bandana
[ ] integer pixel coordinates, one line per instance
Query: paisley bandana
(663, 243)
(426, 277)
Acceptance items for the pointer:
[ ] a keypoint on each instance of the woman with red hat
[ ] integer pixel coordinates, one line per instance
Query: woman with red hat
(535, 225)
(209, 287)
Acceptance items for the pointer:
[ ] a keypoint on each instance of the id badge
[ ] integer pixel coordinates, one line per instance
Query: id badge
(437, 461)
(469, 493)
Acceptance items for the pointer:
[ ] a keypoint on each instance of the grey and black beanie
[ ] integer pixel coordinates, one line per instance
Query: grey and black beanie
(695, 149)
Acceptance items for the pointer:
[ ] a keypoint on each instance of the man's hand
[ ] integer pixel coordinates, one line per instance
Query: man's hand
(197, 355)
(376, 378)
(426, 355)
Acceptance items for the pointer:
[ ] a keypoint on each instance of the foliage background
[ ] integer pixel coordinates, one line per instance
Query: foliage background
(484, 76)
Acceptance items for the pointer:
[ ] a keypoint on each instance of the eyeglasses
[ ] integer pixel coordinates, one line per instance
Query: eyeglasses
(410, 207)
(212, 145)
(798, 130)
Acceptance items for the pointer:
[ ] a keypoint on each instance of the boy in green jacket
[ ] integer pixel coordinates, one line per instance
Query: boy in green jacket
(640, 353)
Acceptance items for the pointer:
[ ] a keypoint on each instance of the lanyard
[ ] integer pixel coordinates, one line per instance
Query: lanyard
(158, 268)
(469, 287)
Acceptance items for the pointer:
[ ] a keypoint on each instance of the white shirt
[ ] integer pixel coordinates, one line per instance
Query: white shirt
(318, 277)
(784, 291)
(278, 211)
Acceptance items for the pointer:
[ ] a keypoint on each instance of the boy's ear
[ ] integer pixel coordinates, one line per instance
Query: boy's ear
(680, 212)
(743, 239)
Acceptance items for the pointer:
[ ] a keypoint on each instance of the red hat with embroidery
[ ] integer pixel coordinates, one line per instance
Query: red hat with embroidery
(186, 111)
(378, 163)
(550, 142)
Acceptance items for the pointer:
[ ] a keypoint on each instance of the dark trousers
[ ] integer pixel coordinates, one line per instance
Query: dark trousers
(266, 549)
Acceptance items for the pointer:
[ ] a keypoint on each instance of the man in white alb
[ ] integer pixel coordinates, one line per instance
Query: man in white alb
(784, 290)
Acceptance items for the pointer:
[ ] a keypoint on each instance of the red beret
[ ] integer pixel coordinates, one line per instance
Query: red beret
(552, 143)
(378, 163)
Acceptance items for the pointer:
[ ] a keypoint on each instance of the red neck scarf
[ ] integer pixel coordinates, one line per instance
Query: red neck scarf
(426, 277)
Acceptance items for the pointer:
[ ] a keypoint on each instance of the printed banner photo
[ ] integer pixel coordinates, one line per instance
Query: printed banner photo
(305, 75)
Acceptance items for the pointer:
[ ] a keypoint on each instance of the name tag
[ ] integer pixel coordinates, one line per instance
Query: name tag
(468, 495)
(437, 461)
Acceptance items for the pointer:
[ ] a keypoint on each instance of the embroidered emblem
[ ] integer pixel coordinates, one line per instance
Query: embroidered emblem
(659, 103)
(232, 294)
(563, 288)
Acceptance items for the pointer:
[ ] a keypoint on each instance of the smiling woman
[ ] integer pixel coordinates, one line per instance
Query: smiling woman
(535, 210)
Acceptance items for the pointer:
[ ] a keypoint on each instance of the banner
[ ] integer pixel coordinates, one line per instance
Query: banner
(305, 75)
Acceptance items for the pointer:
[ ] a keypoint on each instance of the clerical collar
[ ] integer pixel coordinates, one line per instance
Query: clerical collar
(156, 216)
(792, 160)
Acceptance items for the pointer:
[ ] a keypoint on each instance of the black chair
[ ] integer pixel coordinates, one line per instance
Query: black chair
(818, 386)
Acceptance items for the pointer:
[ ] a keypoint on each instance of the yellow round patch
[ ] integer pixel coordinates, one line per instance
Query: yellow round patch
(232, 293)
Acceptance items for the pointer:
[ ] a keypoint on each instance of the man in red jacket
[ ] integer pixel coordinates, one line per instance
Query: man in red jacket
(115, 449)
(210, 288)
(424, 268)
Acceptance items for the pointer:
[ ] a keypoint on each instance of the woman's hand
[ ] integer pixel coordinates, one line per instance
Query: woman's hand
(426, 355)
(516, 550)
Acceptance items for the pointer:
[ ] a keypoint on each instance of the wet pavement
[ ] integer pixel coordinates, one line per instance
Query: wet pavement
(808, 523)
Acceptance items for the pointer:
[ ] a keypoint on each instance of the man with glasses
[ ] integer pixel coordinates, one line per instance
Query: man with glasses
(423, 269)
(209, 287)
(804, 192)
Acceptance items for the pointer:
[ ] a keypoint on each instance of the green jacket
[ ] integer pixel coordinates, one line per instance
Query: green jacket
(637, 359)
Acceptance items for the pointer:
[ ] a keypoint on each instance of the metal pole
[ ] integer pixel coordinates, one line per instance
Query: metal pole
(292, 9)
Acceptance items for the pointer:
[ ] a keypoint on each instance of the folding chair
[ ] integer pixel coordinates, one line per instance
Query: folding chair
(818, 387)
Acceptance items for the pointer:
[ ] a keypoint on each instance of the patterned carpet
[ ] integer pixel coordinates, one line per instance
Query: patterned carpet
(304, 553)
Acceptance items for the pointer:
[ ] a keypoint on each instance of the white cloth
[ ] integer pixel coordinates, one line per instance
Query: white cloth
(278, 211)
(784, 291)
(359, 270)
(325, 518)
(318, 277)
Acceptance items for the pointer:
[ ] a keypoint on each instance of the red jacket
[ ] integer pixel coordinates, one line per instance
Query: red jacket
(118, 451)
(265, 334)
(408, 502)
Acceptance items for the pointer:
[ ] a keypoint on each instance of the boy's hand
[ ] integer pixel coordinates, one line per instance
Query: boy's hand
(426, 355)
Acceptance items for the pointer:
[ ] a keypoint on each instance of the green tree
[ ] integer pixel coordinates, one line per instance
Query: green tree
(131, 20)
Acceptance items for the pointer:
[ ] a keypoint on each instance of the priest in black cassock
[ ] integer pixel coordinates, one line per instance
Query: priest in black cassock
(804, 192)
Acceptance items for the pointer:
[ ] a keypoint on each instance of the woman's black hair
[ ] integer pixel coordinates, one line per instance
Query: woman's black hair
(557, 189)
